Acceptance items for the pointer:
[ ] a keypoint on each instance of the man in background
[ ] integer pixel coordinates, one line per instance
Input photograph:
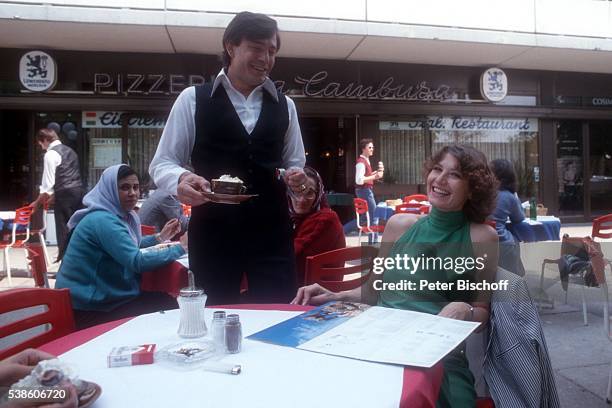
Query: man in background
(61, 182)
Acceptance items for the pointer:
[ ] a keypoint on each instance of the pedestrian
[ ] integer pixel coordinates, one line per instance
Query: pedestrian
(240, 125)
(365, 177)
(61, 182)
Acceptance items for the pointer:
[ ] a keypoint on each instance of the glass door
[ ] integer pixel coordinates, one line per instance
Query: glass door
(570, 166)
(600, 164)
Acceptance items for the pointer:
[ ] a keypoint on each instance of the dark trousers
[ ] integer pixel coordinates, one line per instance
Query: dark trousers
(227, 241)
(146, 302)
(66, 203)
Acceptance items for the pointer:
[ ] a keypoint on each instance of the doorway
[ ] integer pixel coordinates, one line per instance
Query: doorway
(600, 164)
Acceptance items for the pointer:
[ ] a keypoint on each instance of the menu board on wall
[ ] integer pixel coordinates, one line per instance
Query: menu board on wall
(106, 152)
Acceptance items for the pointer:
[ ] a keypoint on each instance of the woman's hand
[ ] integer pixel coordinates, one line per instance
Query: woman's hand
(457, 310)
(171, 228)
(295, 178)
(314, 294)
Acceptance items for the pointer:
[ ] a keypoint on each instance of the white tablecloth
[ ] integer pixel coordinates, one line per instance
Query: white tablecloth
(272, 376)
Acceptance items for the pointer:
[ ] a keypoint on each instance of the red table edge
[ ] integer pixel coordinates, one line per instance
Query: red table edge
(414, 384)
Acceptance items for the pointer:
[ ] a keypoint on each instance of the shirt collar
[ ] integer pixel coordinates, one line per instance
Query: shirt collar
(268, 85)
(54, 143)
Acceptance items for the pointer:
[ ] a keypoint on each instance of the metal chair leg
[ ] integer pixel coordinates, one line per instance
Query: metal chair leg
(43, 244)
(7, 265)
(584, 306)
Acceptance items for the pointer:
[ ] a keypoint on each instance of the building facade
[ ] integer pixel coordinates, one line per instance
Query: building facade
(553, 121)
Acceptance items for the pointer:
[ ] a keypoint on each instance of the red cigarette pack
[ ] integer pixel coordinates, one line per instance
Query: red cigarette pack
(131, 355)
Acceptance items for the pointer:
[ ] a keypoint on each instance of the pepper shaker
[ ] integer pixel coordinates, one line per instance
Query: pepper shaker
(233, 334)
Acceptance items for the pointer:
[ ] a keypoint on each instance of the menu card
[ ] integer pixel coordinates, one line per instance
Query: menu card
(371, 333)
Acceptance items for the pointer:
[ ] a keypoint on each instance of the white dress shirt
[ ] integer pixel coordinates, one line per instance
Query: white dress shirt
(51, 160)
(360, 170)
(178, 138)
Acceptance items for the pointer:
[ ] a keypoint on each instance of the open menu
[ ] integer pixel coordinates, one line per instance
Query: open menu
(371, 333)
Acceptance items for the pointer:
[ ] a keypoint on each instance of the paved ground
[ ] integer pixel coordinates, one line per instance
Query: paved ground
(580, 355)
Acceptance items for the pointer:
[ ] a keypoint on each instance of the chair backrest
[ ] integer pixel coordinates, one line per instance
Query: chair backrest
(415, 197)
(147, 229)
(23, 216)
(38, 265)
(602, 227)
(408, 208)
(425, 209)
(328, 269)
(361, 208)
(57, 317)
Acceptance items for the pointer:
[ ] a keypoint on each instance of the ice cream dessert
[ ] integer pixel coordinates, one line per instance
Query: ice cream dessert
(227, 184)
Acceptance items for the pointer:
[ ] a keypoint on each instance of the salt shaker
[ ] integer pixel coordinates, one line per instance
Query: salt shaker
(217, 330)
(233, 334)
(191, 302)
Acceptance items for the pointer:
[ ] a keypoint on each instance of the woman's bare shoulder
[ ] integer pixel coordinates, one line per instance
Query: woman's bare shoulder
(483, 233)
(398, 224)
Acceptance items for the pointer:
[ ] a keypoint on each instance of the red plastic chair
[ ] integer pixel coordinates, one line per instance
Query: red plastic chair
(38, 266)
(415, 197)
(57, 319)
(186, 210)
(408, 208)
(23, 217)
(361, 208)
(324, 270)
(425, 209)
(148, 230)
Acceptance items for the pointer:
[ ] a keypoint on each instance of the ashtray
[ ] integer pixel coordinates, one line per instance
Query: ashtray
(186, 354)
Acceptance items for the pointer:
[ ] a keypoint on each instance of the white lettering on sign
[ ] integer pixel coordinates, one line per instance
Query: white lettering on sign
(112, 119)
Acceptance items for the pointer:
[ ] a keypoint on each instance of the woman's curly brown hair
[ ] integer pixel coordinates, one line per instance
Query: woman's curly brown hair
(482, 183)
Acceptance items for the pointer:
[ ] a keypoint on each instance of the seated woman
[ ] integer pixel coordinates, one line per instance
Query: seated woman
(461, 190)
(508, 207)
(317, 228)
(103, 261)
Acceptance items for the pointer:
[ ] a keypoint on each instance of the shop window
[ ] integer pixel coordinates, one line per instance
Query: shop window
(405, 145)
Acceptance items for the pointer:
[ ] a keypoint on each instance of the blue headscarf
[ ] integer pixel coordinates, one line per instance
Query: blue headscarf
(105, 196)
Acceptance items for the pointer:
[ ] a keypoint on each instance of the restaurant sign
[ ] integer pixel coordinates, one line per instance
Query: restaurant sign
(37, 71)
(317, 85)
(464, 124)
(494, 85)
(113, 119)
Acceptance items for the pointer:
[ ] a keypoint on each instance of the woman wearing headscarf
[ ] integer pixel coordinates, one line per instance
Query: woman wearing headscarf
(317, 228)
(103, 259)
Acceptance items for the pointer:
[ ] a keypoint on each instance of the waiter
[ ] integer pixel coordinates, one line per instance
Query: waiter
(61, 182)
(242, 126)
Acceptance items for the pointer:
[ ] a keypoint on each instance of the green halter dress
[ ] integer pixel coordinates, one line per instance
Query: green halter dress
(443, 235)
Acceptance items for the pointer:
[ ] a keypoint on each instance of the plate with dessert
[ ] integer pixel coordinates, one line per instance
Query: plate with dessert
(227, 190)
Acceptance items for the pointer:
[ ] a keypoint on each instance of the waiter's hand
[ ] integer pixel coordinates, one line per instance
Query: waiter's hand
(295, 178)
(189, 189)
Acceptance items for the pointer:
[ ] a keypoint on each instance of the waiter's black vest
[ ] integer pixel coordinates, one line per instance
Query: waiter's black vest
(223, 146)
(67, 174)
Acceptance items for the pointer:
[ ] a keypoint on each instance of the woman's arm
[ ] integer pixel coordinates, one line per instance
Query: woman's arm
(114, 239)
(485, 244)
(516, 212)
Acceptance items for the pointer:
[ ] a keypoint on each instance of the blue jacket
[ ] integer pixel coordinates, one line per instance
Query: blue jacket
(508, 207)
(102, 264)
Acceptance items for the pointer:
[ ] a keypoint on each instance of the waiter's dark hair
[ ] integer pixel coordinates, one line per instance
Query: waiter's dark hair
(249, 26)
(46, 135)
(125, 171)
(364, 142)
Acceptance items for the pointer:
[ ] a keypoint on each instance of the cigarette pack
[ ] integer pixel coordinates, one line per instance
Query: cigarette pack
(131, 355)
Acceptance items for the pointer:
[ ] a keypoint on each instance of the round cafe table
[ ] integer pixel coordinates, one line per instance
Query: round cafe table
(272, 375)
